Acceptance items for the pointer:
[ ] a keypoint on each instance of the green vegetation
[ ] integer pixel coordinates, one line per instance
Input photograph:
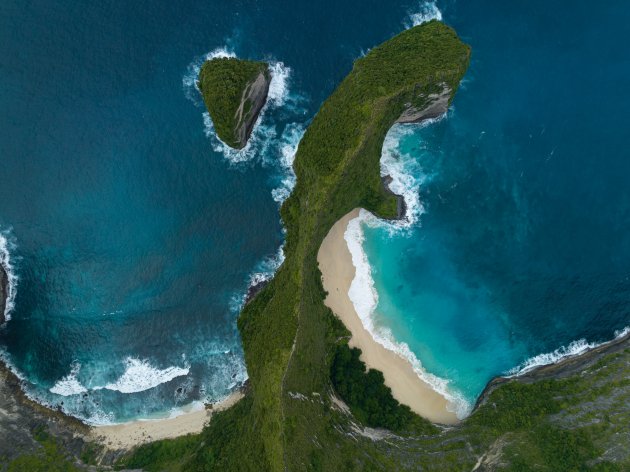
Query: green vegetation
(224, 83)
(50, 459)
(296, 349)
(369, 399)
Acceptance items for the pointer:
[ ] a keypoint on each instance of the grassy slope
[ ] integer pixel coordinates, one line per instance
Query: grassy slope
(222, 82)
(287, 421)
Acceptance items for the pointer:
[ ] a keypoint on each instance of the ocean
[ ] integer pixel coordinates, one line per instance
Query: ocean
(516, 251)
(131, 233)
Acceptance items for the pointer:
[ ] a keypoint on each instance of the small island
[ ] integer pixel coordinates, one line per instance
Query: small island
(234, 91)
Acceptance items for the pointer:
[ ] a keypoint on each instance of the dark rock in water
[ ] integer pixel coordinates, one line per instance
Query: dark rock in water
(401, 208)
(4, 292)
(256, 94)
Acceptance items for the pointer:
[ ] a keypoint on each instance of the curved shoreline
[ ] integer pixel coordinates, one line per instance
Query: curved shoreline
(338, 271)
(137, 432)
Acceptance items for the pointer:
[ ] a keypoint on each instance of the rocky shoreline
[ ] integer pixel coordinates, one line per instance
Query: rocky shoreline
(21, 418)
(4, 293)
(563, 368)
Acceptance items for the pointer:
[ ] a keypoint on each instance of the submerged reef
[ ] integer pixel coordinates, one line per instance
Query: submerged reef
(234, 91)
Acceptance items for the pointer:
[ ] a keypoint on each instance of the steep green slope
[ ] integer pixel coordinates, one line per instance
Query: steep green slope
(234, 91)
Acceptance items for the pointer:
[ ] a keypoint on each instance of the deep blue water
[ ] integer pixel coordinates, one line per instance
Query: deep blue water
(523, 246)
(134, 235)
(133, 238)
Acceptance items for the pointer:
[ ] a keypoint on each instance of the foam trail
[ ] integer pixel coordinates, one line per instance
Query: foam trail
(427, 11)
(139, 375)
(69, 385)
(575, 348)
(364, 297)
(6, 246)
(288, 148)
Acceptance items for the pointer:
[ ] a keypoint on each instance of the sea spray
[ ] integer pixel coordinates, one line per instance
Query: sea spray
(140, 375)
(575, 348)
(7, 246)
(69, 385)
(426, 11)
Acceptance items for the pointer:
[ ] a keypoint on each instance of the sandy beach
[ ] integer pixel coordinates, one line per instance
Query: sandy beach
(134, 433)
(335, 263)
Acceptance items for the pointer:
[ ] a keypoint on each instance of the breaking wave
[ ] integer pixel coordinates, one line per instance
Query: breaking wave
(69, 385)
(575, 348)
(140, 375)
(7, 245)
(427, 11)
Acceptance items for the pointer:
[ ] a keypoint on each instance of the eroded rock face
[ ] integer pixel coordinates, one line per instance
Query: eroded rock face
(256, 94)
(4, 292)
(437, 105)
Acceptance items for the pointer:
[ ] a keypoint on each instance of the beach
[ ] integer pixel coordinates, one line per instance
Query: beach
(134, 433)
(335, 264)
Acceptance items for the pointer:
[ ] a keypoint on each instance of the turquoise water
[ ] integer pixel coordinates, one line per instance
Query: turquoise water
(519, 243)
(132, 233)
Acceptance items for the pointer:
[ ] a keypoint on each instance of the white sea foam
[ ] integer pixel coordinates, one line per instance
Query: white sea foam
(69, 385)
(140, 375)
(288, 148)
(7, 245)
(364, 297)
(427, 11)
(264, 271)
(575, 348)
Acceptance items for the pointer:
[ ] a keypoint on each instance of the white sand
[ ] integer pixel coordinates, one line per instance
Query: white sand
(134, 433)
(335, 263)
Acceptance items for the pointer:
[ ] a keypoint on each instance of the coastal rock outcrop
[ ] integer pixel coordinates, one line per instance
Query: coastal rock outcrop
(235, 92)
(255, 94)
(435, 105)
(4, 293)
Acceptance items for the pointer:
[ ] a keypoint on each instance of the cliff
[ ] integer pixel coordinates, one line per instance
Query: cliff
(234, 92)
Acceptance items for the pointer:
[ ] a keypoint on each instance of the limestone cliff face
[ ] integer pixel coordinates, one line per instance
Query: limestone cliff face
(4, 293)
(436, 106)
(252, 102)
